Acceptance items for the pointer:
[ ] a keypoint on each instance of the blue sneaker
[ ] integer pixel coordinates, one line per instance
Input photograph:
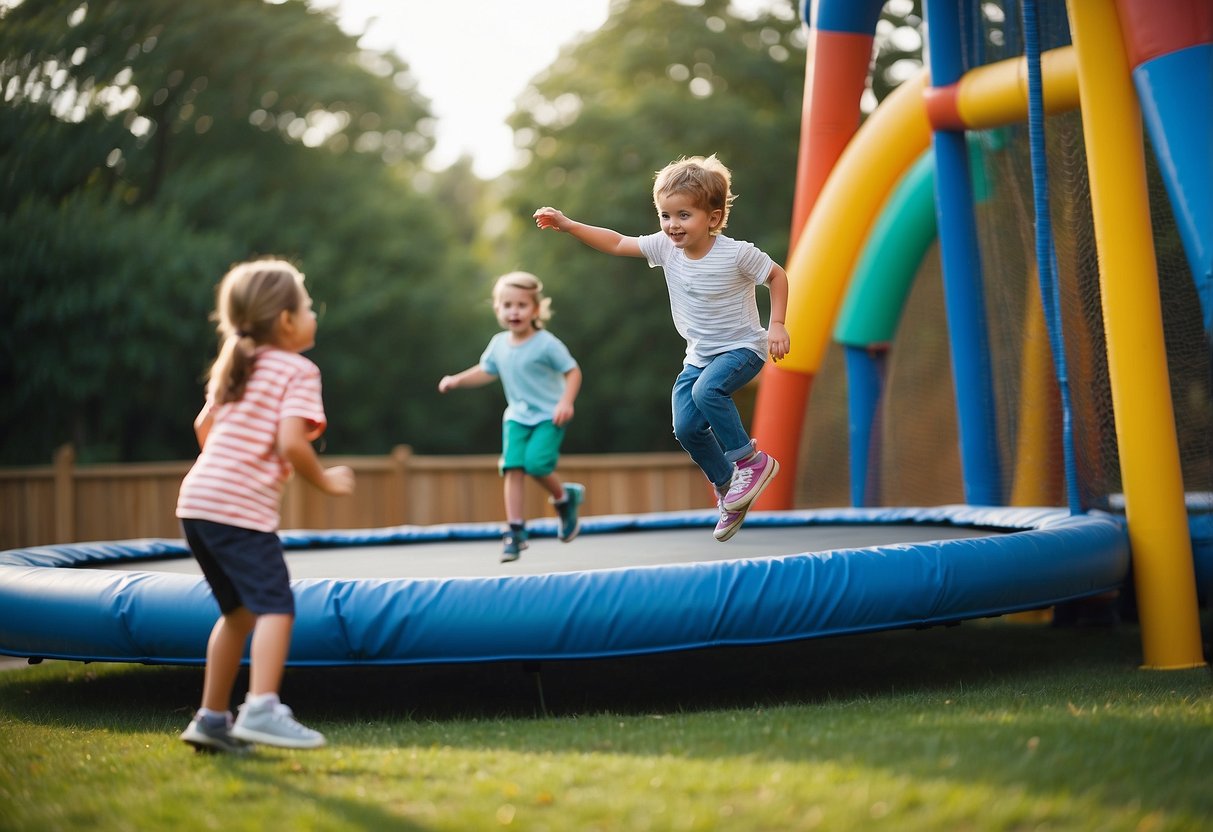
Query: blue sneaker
(570, 523)
(514, 541)
(209, 738)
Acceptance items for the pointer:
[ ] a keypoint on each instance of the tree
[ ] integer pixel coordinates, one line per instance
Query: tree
(898, 45)
(146, 146)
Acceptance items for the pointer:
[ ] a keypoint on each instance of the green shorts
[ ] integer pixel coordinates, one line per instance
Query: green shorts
(533, 448)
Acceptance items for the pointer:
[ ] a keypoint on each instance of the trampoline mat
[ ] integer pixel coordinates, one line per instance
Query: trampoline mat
(481, 558)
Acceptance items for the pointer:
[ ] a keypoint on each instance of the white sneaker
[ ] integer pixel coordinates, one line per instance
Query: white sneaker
(274, 725)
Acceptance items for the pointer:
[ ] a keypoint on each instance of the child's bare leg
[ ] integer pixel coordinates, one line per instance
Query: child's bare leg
(552, 484)
(262, 719)
(515, 492)
(224, 650)
(567, 501)
(267, 657)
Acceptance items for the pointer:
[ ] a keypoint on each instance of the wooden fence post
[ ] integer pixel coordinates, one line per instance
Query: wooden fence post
(402, 456)
(65, 494)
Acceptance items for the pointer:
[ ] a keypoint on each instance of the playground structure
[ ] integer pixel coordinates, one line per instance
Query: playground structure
(1116, 62)
(871, 202)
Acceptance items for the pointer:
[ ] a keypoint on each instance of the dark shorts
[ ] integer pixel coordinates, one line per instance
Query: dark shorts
(533, 448)
(245, 568)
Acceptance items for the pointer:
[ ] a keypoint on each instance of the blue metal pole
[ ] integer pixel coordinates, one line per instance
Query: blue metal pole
(1046, 256)
(963, 294)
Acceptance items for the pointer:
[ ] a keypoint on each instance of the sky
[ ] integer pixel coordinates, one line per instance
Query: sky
(472, 59)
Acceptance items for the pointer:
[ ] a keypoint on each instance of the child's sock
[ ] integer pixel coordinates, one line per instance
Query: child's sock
(261, 701)
(518, 527)
(213, 719)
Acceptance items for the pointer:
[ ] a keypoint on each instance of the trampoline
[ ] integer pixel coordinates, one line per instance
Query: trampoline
(629, 585)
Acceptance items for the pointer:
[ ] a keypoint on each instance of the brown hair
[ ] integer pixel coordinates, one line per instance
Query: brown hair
(705, 180)
(248, 303)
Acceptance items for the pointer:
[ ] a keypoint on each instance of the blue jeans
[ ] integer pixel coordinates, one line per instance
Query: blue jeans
(706, 422)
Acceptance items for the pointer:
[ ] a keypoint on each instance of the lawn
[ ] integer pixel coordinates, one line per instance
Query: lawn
(990, 725)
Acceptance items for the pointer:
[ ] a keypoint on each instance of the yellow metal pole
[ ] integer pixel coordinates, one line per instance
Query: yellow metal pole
(1141, 394)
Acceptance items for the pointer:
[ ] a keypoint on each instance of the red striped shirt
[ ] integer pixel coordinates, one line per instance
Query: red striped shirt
(238, 477)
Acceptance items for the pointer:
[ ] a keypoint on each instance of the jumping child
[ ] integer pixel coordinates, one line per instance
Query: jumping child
(711, 280)
(541, 381)
(263, 410)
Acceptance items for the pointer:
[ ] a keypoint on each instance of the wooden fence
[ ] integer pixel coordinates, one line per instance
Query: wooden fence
(67, 503)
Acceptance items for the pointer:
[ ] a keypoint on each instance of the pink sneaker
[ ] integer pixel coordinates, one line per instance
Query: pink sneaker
(749, 480)
(730, 522)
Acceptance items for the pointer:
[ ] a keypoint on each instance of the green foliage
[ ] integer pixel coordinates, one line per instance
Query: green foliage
(101, 342)
(899, 41)
(146, 146)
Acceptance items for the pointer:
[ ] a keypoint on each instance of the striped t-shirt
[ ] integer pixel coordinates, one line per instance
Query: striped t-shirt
(237, 479)
(712, 298)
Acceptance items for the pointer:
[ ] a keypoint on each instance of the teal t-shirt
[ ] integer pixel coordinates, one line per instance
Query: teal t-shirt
(531, 373)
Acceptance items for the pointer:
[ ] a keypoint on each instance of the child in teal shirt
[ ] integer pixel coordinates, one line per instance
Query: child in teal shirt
(541, 380)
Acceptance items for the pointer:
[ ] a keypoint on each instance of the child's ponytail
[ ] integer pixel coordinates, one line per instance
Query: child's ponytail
(248, 303)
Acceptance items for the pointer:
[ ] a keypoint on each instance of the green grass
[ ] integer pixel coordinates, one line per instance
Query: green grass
(986, 726)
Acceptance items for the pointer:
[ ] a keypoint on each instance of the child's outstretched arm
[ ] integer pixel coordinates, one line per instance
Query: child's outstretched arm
(563, 414)
(296, 448)
(778, 340)
(471, 377)
(601, 239)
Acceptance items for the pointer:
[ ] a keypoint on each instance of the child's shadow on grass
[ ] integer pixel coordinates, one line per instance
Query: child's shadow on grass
(798, 673)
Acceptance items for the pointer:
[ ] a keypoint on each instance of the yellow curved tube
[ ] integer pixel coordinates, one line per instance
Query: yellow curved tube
(820, 265)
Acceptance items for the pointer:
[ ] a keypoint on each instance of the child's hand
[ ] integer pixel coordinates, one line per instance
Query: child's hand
(550, 218)
(447, 383)
(778, 340)
(562, 414)
(339, 480)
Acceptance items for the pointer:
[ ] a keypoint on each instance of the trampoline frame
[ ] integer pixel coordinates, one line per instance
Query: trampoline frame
(1034, 558)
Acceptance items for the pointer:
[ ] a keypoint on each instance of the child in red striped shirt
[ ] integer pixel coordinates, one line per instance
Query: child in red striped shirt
(263, 410)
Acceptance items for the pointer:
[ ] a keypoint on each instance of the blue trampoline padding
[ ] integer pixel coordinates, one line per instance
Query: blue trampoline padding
(1200, 526)
(47, 611)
